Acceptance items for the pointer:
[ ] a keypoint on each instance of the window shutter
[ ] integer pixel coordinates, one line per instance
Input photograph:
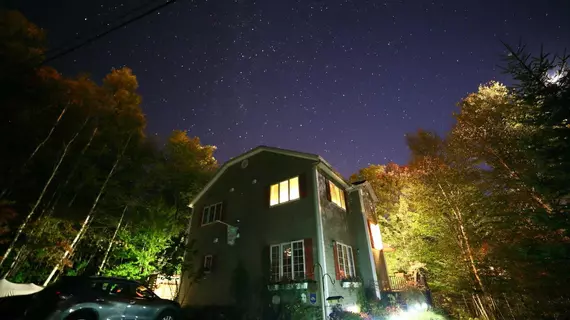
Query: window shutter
(309, 265)
(267, 195)
(214, 262)
(328, 186)
(336, 266)
(203, 215)
(303, 185)
(223, 210)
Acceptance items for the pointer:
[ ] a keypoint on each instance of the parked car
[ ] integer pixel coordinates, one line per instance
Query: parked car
(95, 298)
(13, 307)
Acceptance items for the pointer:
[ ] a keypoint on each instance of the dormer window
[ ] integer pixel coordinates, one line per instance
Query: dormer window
(284, 191)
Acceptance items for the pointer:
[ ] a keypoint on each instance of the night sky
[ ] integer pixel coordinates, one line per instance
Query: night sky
(342, 79)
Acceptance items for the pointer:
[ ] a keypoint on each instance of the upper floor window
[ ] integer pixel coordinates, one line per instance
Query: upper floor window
(288, 261)
(375, 235)
(212, 213)
(336, 195)
(344, 261)
(284, 191)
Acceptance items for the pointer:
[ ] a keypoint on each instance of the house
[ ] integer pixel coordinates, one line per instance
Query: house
(276, 226)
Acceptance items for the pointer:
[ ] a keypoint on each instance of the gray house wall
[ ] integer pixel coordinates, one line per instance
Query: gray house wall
(365, 261)
(347, 227)
(260, 226)
(240, 273)
(379, 260)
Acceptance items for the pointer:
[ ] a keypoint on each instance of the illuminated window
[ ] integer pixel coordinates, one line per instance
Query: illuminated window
(274, 194)
(284, 191)
(212, 213)
(337, 195)
(345, 261)
(208, 261)
(287, 261)
(375, 235)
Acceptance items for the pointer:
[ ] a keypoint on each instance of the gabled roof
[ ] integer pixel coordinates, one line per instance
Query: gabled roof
(319, 161)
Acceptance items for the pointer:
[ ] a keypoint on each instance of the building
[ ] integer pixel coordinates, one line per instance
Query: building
(275, 225)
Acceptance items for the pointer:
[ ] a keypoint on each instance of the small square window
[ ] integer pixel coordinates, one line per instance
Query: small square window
(208, 262)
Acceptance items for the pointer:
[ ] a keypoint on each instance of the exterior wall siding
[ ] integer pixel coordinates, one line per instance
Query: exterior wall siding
(241, 272)
(368, 267)
(379, 260)
(337, 227)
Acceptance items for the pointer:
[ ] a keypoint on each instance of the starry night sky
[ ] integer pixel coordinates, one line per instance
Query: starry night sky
(342, 79)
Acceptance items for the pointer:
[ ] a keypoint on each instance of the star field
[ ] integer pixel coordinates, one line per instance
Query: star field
(342, 79)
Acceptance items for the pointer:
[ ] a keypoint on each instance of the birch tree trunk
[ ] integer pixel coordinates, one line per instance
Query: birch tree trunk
(111, 242)
(41, 144)
(54, 200)
(38, 201)
(81, 156)
(466, 243)
(89, 215)
(514, 174)
(38, 147)
(14, 262)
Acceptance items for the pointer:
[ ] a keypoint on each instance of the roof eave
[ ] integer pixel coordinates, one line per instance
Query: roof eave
(368, 186)
(253, 152)
(323, 165)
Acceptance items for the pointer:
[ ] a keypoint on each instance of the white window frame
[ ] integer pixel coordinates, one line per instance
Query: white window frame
(347, 268)
(280, 257)
(206, 216)
(208, 259)
(288, 191)
(342, 199)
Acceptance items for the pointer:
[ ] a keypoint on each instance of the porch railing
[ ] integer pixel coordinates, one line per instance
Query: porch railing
(403, 282)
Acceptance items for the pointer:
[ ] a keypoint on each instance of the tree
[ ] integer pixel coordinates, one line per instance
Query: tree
(421, 219)
(542, 83)
(148, 233)
(77, 157)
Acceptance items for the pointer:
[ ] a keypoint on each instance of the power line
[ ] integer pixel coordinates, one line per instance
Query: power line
(100, 35)
(63, 46)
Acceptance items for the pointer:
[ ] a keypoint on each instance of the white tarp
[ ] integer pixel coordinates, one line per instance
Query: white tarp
(8, 289)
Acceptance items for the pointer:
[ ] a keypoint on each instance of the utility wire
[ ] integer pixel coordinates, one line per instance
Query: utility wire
(63, 46)
(100, 35)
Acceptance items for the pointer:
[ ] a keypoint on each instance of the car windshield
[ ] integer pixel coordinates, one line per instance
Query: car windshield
(144, 292)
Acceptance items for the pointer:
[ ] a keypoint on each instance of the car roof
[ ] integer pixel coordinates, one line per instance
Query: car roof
(85, 278)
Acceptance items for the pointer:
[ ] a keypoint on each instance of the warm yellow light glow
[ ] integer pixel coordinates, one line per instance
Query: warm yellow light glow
(274, 195)
(341, 197)
(294, 188)
(337, 195)
(334, 192)
(376, 236)
(284, 191)
(353, 308)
